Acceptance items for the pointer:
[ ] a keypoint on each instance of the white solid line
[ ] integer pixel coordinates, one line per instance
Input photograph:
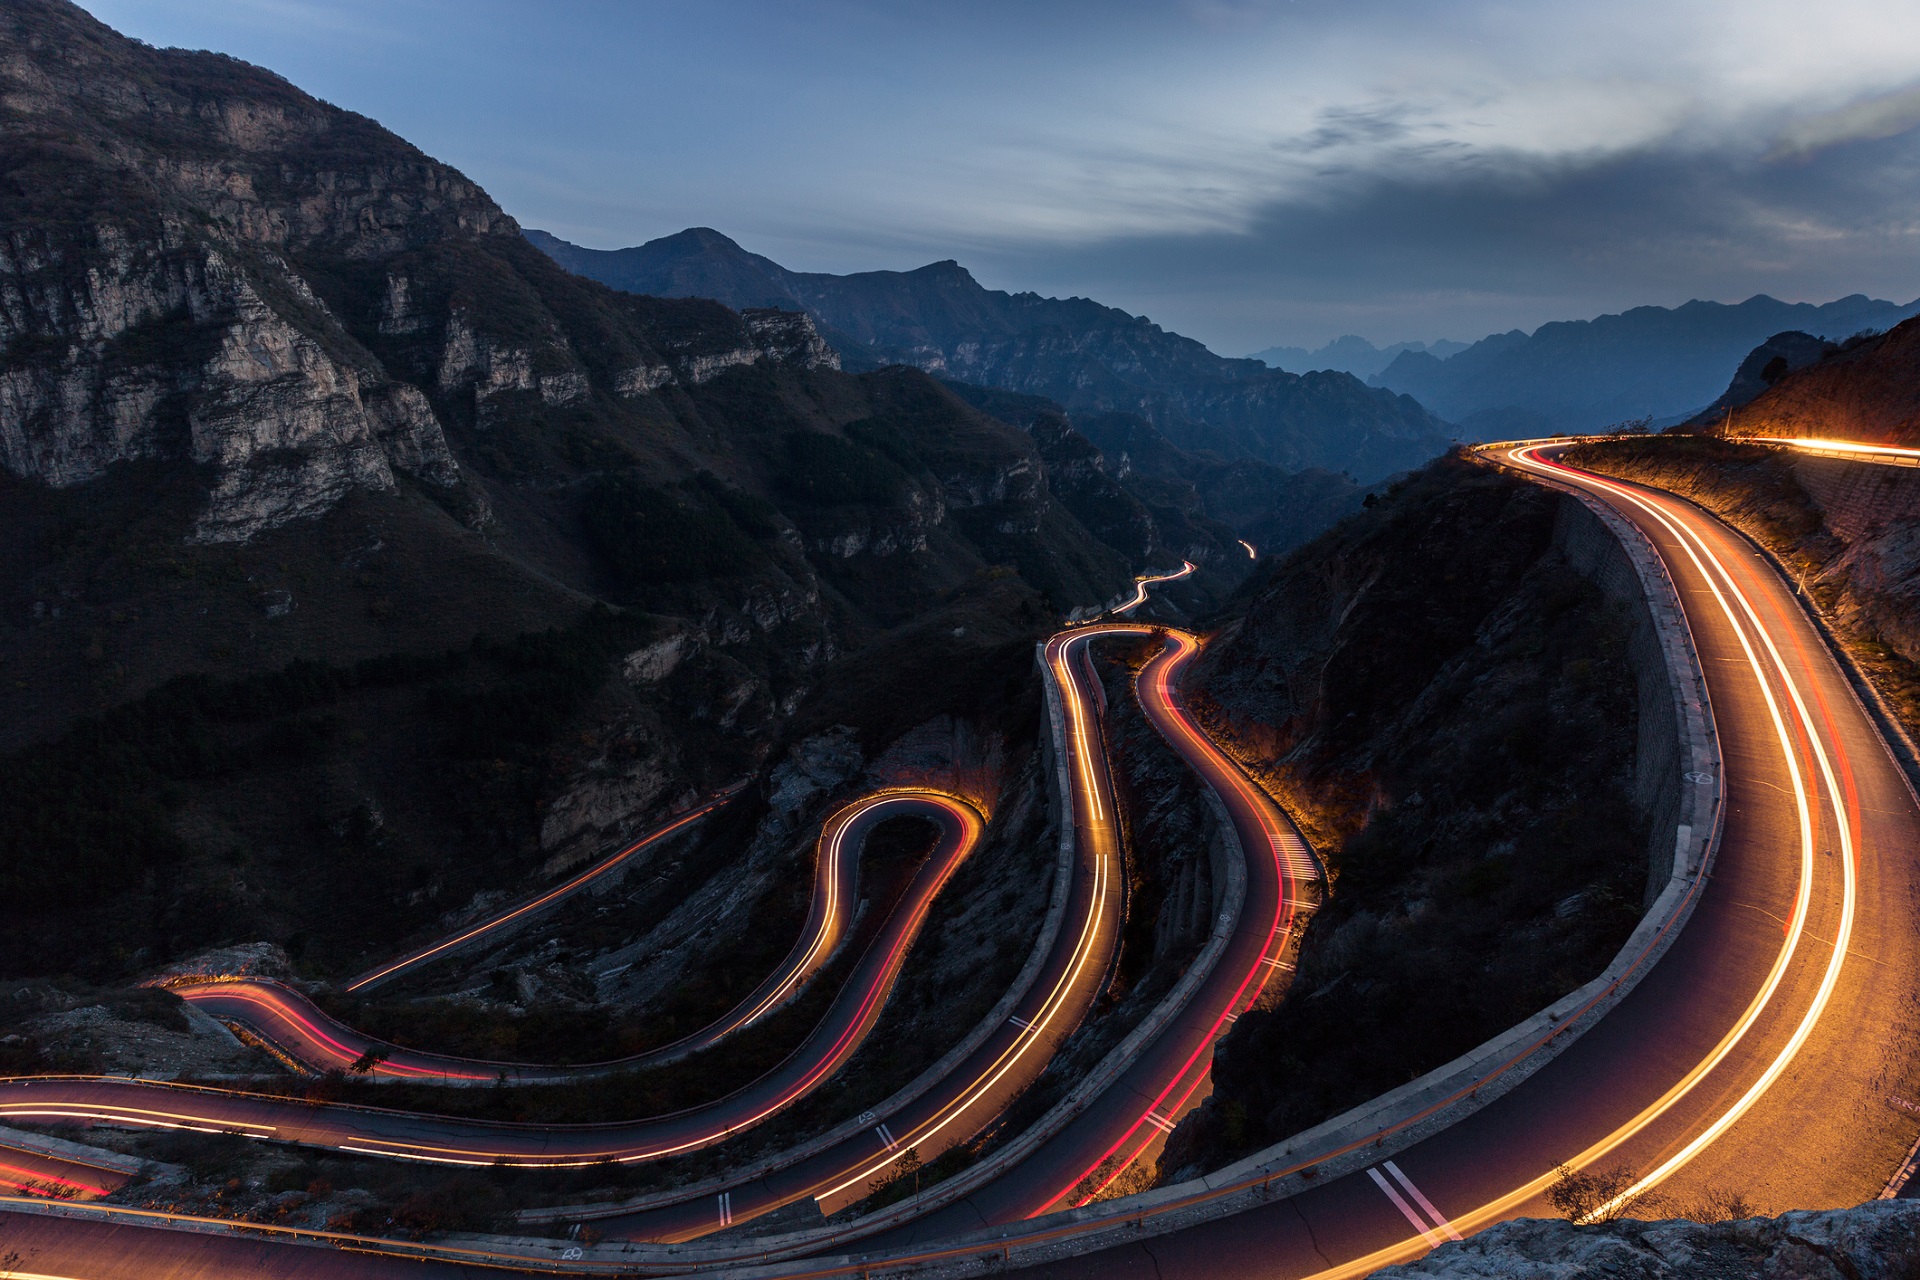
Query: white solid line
(1439, 1218)
(1431, 1236)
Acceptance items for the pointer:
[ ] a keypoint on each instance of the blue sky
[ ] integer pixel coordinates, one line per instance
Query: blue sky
(1248, 172)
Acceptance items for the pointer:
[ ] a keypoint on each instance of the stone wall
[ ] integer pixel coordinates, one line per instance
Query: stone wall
(1859, 499)
(1598, 555)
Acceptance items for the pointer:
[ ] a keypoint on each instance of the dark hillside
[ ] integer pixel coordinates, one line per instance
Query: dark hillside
(1447, 709)
(1087, 357)
(1868, 391)
(284, 401)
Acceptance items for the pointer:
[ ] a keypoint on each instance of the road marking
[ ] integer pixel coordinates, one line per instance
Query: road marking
(1159, 1122)
(1427, 1233)
(1276, 962)
(1021, 1023)
(886, 1136)
(726, 1208)
(1439, 1218)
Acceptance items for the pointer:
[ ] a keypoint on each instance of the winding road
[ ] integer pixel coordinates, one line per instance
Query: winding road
(300, 1032)
(1766, 1052)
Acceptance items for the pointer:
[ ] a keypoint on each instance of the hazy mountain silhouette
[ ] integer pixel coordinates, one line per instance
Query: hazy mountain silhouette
(1351, 354)
(1088, 357)
(1653, 362)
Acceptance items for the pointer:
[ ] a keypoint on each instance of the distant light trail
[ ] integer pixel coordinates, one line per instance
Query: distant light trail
(1892, 455)
(1141, 584)
(1251, 553)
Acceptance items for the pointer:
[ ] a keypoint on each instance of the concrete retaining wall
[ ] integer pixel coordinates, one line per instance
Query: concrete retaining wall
(1599, 556)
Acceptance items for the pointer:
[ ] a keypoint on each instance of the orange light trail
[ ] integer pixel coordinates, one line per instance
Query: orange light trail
(1195, 747)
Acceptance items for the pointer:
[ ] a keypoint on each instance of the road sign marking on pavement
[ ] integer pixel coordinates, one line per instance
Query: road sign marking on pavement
(1427, 1233)
(1021, 1023)
(726, 1208)
(1439, 1218)
(1277, 963)
(1159, 1122)
(886, 1136)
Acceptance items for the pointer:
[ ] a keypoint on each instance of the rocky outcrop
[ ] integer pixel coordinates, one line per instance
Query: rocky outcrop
(157, 296)
(1765, 365)
(125, 344)
(1880, 1240)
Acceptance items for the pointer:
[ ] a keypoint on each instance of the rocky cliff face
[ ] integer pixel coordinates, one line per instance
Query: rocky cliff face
(169, 216)
(450, 565)
(1879, 1240)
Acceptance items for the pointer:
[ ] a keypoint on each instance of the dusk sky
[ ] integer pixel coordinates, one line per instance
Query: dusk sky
(1248, 172)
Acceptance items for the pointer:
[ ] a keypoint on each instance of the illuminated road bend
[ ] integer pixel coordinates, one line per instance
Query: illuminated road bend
(1141, 584)
(309, 1038)
(414, 1136)
(1131, 1116)
(978, 1090)
(981, 1085)
(1761, 1053)
(1702, 1046)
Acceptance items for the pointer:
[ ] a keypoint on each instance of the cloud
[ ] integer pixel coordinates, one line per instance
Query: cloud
(1884, 115)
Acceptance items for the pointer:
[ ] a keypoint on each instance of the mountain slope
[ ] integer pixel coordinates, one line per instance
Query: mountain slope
(1087, 357)
(362, 559)
(1868, 390)
(1581, 375)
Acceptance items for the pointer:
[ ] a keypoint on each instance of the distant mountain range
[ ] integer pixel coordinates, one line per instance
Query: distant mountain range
(1650, 362)
(1351, 354)
(1088, 357)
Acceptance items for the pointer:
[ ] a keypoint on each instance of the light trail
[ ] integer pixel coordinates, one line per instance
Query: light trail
(292, 1026)
(1845, 822)
(1141, 584)
(1893, 455)
(1239, 795)
(845, 1026)
(1060, 1002)
(599, 869)
(1251, 553)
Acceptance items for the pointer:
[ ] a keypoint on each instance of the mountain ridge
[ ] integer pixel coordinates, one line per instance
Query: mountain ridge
(1088, 357)
(1664, 363)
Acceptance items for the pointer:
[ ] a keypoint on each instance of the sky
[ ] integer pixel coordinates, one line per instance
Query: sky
(1247, 172)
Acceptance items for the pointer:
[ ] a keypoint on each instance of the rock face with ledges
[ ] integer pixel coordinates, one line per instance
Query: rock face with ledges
(206, 265)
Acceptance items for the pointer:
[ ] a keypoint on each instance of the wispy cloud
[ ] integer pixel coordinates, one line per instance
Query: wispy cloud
(1881, 115)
